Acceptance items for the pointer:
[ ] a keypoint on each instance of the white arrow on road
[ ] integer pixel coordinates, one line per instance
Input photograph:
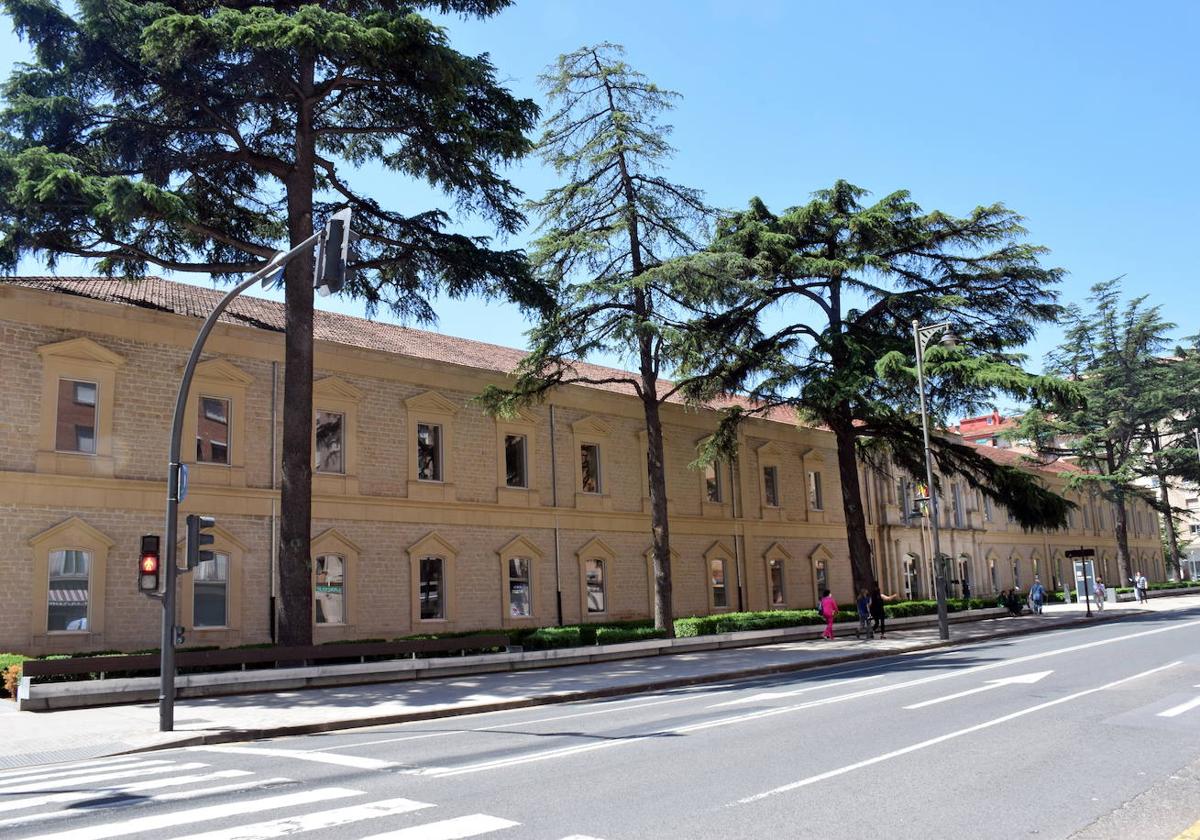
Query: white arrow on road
(1176, 711)
(1023, 679)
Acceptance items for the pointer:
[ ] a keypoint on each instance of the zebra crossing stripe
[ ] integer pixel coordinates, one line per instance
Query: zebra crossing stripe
(76, 795)
(318, 821)
(60, 768)
(42, 774)
(355, 761)
(100, 778)
(453, 829)
(158, 822)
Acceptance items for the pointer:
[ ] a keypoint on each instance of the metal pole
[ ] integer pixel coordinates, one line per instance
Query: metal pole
(166, 695)
(939, 572)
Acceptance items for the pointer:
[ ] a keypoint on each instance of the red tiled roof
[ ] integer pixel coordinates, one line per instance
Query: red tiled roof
(196, 302)
(1026, 460)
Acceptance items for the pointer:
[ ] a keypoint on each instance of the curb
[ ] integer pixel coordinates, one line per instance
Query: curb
(242, 735)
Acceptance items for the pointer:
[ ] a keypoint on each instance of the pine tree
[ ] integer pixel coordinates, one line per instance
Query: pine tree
(847, 279)
(616, 239)
(197, 135)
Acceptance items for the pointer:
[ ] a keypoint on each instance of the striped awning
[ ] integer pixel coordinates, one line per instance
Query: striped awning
(66, 597)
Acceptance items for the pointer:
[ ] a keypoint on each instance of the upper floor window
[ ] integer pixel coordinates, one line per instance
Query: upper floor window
(589, 465)
(210, 592)
(432, 592)
(429, 452)
(597, 595)
(67, 606)
(515, 461)
(712, 482)
(212, 431)
(771, 486)
(815, 497)
(520, 600)
(330, 442)
(329, 597)
(957, 500)
(75, 430)
(987, 508)
(1192, 503)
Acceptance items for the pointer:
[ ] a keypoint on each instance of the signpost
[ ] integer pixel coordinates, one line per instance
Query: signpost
(1083, 554)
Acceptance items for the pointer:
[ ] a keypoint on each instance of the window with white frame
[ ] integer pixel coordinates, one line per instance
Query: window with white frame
(816, 499)
(329, 596)
(330, 447)
(597, 595)
(520, 592)
(67, 604)
(429, 452)
(432, 587)
(75, 429)
(210, 592)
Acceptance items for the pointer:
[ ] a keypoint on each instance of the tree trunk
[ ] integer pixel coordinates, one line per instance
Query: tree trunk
(1121, 529)
(856, 521)
(1164, 497)
(660, 531)
(294, 608)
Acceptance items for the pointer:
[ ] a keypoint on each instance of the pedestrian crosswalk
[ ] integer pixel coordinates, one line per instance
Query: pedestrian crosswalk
(147, 797)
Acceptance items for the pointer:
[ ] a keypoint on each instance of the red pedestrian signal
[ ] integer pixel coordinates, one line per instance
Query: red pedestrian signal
(148, 565)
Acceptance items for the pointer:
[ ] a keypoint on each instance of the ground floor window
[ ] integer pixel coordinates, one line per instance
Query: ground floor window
(716, 573)
(520, 601)
(594, 578)
(776, 574)
(433, 576)
(820, 577)
(329, 596)
(67, 606)
(210, 592)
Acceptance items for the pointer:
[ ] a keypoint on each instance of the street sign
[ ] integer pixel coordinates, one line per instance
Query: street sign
(183, 482)
(1080, 552)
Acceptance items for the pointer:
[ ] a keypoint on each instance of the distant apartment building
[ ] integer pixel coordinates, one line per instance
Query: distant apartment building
(428, 515)
(987, 429)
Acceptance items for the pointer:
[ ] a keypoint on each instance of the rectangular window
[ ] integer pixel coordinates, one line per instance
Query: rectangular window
(432, 595)
(716, 571)
(771, 486)
(330, 584)
(712, 482)
(815, 500)
(906, 500)
(515, 461)
(330, 448)
(776, 572)
(429, 452)
(987, 509)
(594, 579)
(589, 465)
(958, 505)
(210, 588)
(820, 577)
(75, 430)
(212, 431)
(67, 607)
(520, 602)
(1192, 503)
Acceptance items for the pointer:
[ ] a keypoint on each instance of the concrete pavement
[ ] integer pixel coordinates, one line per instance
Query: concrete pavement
(40, 738)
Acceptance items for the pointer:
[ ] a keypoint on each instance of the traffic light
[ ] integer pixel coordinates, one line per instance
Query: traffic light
(148, 564)
(196, 536)
(335, 253)
(180, 638)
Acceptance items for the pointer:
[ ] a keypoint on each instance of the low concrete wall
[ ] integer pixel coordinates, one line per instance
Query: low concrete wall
(42, 697)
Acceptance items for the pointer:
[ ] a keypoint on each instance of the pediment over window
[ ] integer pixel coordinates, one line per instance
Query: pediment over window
(331, 387)
(82, 349)
(519, 547)
(221, 370)
(821, 553)
(596, 547)
(72, 532)
(431, 402)
(333, 541)
(718, 550)
(776, 552)
(649, 555)
(591, 425)
(223, 540)
(770, 452)
(432, 545)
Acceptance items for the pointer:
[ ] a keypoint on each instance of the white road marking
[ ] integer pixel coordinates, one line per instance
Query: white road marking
(454, 829)
(858, 765)
(1023, 679)
(318, 821)
(158, 822)
(132, 787)
(61, 773)
(119, 800)
(61, 767)
(580, 837)
(1176, 711)
(50, 784)
(305, 755)
(775, 695)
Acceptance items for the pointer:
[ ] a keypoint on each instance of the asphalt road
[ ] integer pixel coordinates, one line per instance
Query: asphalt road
(1091, 732)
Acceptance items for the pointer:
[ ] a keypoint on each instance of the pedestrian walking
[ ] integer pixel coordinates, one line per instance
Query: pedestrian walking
(878, 599)
(828, 608)
(1141, 585)
(864, 614)
(1037, 596)
(1099, 591)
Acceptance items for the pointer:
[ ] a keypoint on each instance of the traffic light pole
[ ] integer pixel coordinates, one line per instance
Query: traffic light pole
(166, 695)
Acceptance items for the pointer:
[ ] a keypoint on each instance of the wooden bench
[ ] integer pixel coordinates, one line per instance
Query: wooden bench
(272, 656)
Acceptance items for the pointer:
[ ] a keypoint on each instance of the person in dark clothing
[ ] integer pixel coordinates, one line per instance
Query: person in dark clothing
(877, 601)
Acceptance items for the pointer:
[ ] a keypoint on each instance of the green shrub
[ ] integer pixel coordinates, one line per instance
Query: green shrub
(546, 638)
(610, 635)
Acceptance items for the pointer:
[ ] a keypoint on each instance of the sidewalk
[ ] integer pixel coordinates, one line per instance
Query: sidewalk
(46, 737)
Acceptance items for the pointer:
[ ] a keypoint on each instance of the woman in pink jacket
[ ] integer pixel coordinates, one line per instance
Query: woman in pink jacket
(828, 608)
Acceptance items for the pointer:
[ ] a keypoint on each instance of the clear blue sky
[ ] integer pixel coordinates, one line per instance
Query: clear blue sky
(1083, 117)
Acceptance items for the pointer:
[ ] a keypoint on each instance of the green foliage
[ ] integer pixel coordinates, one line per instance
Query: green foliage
(617, 635)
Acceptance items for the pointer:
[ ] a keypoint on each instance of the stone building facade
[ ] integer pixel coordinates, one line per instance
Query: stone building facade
(428, 515)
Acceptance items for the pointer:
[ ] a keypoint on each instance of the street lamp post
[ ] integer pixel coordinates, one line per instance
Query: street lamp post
(921, 338)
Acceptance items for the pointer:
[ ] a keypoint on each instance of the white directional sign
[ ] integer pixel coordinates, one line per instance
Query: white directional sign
(1176, 711)
(1023, 679)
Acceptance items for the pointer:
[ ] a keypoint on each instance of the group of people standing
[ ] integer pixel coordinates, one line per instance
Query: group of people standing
(871, 615)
